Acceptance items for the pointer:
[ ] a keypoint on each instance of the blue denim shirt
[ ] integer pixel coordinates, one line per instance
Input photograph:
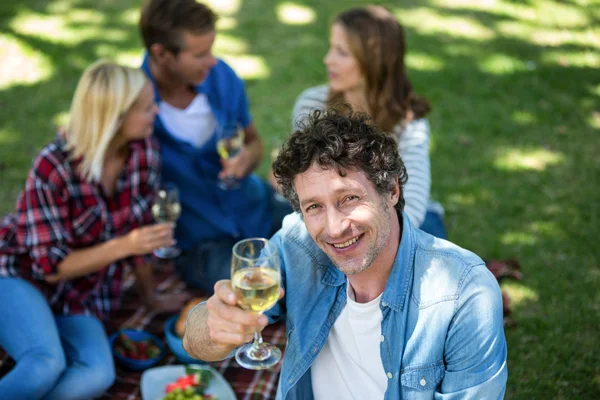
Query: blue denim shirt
(442, 332)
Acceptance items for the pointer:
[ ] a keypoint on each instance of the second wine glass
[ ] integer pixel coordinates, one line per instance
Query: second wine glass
(229, 144)
(166, 208)
(255, 278)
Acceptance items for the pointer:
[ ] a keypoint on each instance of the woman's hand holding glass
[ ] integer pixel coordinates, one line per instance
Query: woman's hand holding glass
(148, 238)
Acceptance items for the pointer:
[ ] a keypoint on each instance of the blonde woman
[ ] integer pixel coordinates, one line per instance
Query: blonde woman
(83, 216)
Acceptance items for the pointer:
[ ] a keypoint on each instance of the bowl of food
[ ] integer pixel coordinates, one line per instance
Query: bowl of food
(174, 327)
(193, 382)
(175, 343)
(136, 349)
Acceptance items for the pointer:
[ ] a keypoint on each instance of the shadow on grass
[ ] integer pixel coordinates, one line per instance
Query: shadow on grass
(29, 110)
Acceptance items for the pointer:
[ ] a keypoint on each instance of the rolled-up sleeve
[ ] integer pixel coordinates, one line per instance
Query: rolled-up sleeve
(44, 226)
(475, 354)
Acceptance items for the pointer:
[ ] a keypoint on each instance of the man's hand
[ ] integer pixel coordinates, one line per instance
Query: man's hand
(228, 325)
(237, 167)
(247, 159)
(145, 239)
(216, 328)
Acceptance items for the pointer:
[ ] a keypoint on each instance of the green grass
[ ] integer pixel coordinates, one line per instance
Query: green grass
(515, 87)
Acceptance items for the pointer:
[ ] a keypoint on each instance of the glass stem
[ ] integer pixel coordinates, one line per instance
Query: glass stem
(258, 351)
(258, 341)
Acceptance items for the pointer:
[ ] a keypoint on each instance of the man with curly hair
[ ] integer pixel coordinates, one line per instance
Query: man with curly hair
(374, 307)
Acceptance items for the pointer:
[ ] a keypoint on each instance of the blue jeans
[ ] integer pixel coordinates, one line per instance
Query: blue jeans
(57, 357)
(210, 261)
(434, 225)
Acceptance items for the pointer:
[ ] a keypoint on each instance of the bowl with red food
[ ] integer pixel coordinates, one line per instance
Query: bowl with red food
(189, 382)
(190, 386)
(136, 349)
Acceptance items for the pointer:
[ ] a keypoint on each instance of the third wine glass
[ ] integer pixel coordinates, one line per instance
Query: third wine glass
(229, 144)
(166, 208)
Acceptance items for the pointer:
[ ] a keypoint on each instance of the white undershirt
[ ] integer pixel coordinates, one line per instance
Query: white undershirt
(349, 365)
(194, 124)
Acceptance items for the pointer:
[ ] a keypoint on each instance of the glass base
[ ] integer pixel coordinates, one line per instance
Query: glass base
(264, 357)
(228, 184)
(167, 252)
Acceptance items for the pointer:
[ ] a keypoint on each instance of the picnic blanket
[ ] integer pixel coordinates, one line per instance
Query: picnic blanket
(247, 384)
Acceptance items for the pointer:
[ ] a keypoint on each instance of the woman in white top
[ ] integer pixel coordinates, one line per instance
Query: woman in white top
(365, 67)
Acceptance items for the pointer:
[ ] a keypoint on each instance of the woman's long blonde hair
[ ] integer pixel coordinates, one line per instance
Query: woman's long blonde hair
(376, 40)
(104, 94)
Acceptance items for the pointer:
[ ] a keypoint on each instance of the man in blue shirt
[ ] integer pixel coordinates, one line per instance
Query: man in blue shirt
(374, 307)
(202, 100)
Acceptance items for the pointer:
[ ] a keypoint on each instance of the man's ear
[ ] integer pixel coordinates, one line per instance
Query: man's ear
(395, 193)
(158, 52)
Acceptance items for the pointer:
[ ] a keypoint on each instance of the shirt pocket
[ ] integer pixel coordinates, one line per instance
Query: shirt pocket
(87, 225)
(419, 382)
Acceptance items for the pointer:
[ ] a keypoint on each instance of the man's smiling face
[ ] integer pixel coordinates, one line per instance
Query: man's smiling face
(346, 216)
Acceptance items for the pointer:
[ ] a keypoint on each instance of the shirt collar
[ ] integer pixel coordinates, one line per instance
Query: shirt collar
(201, 88)
(400, 279)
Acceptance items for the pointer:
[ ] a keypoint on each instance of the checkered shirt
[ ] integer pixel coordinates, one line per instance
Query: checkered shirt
(59, 211)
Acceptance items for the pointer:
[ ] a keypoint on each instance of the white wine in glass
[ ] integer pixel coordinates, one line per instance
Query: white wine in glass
(257, 288)
(168, 213)
(166, 208)
(256, 278)
(228, 147)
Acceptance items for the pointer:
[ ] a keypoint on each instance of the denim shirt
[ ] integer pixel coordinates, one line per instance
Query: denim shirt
(442, 332)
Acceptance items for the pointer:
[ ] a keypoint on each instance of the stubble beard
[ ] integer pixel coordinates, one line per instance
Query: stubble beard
(373, 250)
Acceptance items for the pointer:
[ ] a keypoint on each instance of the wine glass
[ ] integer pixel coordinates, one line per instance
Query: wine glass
(255, 278)
(229, 144)
(166, 208)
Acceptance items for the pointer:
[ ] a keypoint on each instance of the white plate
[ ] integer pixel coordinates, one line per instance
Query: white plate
(155, 380)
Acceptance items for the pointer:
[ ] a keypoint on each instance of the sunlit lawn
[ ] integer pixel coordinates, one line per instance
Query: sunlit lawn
(516, 148)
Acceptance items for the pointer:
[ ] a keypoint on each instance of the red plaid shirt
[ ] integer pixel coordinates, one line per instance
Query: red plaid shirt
(58, 211)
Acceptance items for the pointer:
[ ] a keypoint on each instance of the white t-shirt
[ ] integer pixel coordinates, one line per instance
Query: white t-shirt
(194, 124)
(349, 366)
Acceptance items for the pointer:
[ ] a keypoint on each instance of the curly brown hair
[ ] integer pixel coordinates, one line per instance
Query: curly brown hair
(376, 40)
(164, 22)
(340, 139)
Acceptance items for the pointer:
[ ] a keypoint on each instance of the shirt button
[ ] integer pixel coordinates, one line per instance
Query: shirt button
(382, 338)
(423, 382)
(383, 303)
(389, 375)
